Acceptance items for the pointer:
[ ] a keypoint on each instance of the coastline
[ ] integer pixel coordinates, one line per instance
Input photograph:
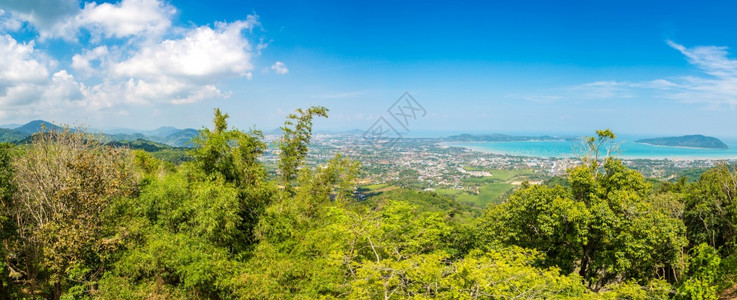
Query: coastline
(683, 147)
(674, 157)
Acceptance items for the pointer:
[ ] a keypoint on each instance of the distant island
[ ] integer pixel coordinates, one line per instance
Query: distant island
(505, 138)
(695, 141)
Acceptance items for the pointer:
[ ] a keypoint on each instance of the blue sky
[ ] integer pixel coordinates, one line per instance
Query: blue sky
(638, 67)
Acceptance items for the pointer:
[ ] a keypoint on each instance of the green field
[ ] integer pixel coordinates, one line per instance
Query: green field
(491, 188)
(374, 187)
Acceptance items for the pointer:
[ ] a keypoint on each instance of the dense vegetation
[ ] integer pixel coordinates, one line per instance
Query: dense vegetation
(81, 219)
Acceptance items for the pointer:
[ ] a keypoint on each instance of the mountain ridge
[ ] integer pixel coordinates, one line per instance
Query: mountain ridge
(166, 135)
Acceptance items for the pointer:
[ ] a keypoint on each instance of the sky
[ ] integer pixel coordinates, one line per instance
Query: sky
(555, 67)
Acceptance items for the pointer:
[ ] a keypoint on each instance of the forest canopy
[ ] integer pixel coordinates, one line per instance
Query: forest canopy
(80, 219)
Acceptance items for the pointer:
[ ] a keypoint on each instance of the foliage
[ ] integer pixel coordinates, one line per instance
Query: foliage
(505, 274)
(10, 135)
(230, 154)
(296, 134)
(65, 181)
(704, 272)
(604, 225)
(711, 209)
(7, 228)
(84, 220)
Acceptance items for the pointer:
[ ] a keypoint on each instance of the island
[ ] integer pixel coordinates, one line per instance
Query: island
(694, 141)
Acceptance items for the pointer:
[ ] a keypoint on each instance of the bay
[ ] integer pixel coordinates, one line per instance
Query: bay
(627, 149)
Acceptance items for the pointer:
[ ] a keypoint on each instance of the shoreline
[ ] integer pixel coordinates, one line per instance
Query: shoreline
(681, 147)
(465, 145)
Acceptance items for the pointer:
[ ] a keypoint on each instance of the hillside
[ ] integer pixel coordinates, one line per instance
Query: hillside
(23, 132)
(695, 141)
(10, 135)
(36, 126)
(169, 136)
(177, 138)
(140, 144)
(161, 131)
(165, 135)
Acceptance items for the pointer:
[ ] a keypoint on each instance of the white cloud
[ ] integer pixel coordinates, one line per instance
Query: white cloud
(127, 18)
(717, 88)
(280, 68)
(177, 71)
(135, 57)
(85, 61)
(185, 70)
(50, 18)
(203, 52)
(64, 87)
(26, 82)
(64, 18)
(8, 23)
(711, 59)
(23, 72)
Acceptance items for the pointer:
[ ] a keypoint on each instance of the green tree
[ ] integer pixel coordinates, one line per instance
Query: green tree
(65, 181)
(7, 227)
(194, 226)
(230, 154)
(711, 210)
(304, 237)
(296, 134)
(604, 225)
(704, 273)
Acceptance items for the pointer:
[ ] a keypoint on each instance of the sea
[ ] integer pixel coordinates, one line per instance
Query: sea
(627, 149)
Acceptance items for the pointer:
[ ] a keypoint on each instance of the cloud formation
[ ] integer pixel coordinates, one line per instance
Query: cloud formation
(24, 72)
(185, 70)
(134, 56)
(127, 18)
(280, 68)
(717, 90)
(49, 18)
(717, 87)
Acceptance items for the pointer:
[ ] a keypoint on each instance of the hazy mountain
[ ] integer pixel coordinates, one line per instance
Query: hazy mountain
(696, 141)
(166, 135)
(36, 126)
(115, 131)
(179, 138)
(126, 136)
(161, 131)
(10, 126)
(23, 132)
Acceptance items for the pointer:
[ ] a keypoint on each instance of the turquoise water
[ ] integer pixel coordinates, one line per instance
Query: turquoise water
(627, 149)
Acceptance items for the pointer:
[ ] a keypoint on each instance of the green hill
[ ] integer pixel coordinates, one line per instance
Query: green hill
(178, 138)
(141, 144)
(22, 134)
(36, 126)
(11, 135)
(695, 141)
